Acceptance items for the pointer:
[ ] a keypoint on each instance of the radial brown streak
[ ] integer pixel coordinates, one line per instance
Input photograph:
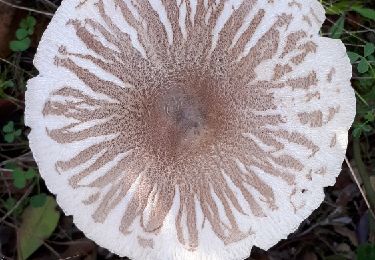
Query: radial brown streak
(121, 39)
(187, 201)
(105, 158)
(160, 207)
(232, 171)
(173, 11)
(142, 33)
(292, 40)
(137, 204)
(155, 31)
(281, 70)
(307, 48)
(124, 72)
(113, 197)
(252, 179)
(91, 80)
(249, 32)
(66, 135)
(129, 164)
(263, 50)
(299, 139)
(91, 41)
(303, 82)
(82, 157)
(108, 36)
(231, 27)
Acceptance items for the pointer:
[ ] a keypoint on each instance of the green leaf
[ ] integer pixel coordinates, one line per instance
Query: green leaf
(9, 127)
(357, 132)
(37, 225)
(19, 179)
(363, 66)
(369, 49)
(21, 34)
(24, 24)
(30, 173)
(365, 12)
(30, 31)
(353, 56)
(338, 28)
(366, 252)
(9, 138)
(19, 182)
(370, 116)
(7, 84)
(367, 128)
(37, 201)
(20, 45)
(17, 132)
(340, 7)
(31, 21)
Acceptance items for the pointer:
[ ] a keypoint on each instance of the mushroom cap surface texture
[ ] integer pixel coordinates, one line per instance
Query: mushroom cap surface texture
(189, 129)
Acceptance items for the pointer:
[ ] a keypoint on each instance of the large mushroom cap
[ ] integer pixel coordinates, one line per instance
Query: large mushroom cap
(181, 129)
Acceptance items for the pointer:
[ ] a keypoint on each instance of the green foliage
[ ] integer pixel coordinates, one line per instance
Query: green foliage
(365, 12)
(38, 223)
(343, 6)
(10, 132)
(20, 177)
(11, 204)
(38, 200)
(366, 252)
(23, 33)
(338, 28)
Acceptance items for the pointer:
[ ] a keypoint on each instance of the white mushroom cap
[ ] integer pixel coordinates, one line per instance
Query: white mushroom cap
(189, 129)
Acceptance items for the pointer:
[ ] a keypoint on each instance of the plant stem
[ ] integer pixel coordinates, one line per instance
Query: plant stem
(363, 173)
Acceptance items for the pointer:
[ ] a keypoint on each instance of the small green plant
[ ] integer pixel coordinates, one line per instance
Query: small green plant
(10, 204)
(23, 33)
(5, 84)
(20, 177)
(10, 132)
(365, 60)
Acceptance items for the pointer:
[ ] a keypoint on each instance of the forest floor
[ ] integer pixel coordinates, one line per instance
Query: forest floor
(343, 227)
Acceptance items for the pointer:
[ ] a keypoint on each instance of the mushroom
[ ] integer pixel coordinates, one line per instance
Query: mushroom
(181, 129)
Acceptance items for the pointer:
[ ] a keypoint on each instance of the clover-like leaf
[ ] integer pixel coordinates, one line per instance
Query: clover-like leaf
(9, 127)
(363, 66)
(353, 56)
(21, 34)
(20, 45)
(369, 49)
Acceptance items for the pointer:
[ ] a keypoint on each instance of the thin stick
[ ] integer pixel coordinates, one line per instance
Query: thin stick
(50, 248)
(359, 186)
(15, 66)
(26, 8)
(17, 204)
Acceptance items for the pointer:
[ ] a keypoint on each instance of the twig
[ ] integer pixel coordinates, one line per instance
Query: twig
(370, 198)
(18, 203)
(15, 66)
(50, 248)
(26, 8)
